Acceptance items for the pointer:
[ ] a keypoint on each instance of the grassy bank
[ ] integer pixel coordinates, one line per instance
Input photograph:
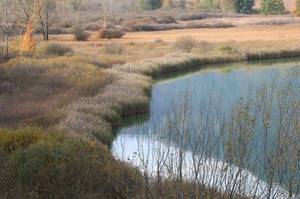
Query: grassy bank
(69, 93)
(180, 61)
(76, 92)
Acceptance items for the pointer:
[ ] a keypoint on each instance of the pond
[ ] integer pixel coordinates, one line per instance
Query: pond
(208, 124)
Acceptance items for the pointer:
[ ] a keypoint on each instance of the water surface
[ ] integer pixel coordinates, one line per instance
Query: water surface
(228, 82)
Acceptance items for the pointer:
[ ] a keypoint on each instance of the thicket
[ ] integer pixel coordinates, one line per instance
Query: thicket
(47, 164)
(53, 49)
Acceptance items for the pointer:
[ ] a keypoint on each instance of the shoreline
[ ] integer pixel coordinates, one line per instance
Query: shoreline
(197, 63)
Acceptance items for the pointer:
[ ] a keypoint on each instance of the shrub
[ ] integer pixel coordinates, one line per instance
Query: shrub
(54, 49)
(165, 19)
(185, 43)
(115, 49)
(226, 49)
(57, 165)
(92, 27)
(158, 40)
(80, 34)
(57, 31)
(21, 138)
(110, 34)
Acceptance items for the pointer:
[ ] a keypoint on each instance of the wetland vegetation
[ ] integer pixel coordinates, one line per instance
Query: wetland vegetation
(70, 70)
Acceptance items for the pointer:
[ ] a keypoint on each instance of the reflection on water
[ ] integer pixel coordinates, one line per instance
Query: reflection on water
(142, 141)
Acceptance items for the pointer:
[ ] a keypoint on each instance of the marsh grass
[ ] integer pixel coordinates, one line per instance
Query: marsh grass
(209, 53)
(34, 91)
(94, 117)
(53, 49)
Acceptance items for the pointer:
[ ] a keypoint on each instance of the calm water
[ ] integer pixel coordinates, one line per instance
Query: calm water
(229, 82)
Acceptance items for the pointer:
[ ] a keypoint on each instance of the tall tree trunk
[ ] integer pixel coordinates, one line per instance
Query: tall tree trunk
(47, 27)
(6, 56)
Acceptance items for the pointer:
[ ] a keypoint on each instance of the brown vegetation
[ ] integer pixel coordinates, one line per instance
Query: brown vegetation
(86, 90)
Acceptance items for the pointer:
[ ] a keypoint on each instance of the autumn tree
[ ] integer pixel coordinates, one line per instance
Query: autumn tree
(228, 5)
(296, 11)
(167, 4)
(28, 43)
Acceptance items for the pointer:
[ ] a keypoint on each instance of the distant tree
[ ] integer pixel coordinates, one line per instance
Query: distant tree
(239, 6)
(244, 6)
(167, 4)
(45, 9)
(296, 11)
(229, 5)
(195, 4)
(28, 43)
(181, 4)
(210, 4)
(150, 4)
(272, 7)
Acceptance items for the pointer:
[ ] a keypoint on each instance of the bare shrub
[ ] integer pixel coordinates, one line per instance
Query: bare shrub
(158, 40)
(57, 31)
(54, 49)
(115, 49)
(185, 43)
(226, 49)
(110, 34)
(80, 34)
(166, 19)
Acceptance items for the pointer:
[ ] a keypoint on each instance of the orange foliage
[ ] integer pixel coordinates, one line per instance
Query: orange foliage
(28, 44)
(167, 3)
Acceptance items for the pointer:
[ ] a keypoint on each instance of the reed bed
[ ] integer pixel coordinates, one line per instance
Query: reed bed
(180, 61)
(93, 117)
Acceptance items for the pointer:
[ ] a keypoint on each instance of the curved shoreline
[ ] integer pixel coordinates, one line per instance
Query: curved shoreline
(130, 92)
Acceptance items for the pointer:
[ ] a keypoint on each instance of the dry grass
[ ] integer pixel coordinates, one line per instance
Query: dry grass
(93, 117)
(33, 91)
(75, 93)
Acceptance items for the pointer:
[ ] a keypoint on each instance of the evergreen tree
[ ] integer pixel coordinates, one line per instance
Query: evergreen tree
(272, 7)
(244, 6)
(150, 4)
(239, 6)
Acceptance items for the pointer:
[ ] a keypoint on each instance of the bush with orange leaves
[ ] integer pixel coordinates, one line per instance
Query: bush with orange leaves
(28, 43)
